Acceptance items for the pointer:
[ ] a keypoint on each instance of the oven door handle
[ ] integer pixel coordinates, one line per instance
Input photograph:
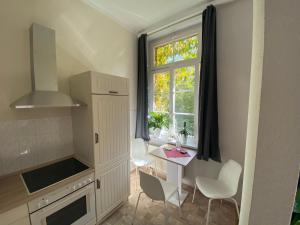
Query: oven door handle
(40, 216)
(63, 201)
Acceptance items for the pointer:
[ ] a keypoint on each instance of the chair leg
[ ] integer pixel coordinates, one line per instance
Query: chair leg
(166, 216)
(136, 175)
(236, 206)
(137, 203)
(150, 171)
(208, 211)
(153, 171)
(221, 202)
(155, 165)
(194, 193)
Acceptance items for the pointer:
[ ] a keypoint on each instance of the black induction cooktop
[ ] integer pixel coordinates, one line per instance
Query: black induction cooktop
(42, 177)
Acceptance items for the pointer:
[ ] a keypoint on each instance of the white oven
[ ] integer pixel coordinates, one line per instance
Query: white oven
(76, 208)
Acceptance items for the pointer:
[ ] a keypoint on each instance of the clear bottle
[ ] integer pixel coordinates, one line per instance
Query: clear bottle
(178, 143)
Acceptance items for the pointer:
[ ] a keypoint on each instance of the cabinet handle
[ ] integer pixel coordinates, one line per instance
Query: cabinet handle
(96, 138)
(98, 184)
(113, 92)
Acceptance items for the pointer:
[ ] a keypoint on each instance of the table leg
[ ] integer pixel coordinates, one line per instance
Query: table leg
(174, 174)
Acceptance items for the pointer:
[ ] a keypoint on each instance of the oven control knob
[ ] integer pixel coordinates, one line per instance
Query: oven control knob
(90, 180)
(74, 187)
(79, 184)
(47, 201)
(39, 205)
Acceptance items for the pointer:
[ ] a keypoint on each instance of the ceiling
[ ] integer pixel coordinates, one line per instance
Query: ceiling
(138, 15)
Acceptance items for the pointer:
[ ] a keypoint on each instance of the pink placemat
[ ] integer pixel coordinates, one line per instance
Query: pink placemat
(175, 154)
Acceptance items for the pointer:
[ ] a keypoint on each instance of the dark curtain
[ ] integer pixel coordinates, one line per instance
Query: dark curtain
(208, 130)
(141, 130)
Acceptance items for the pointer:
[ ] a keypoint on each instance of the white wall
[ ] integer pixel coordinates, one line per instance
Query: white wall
(254, 108)
(234, 42)
(276, 167)
(234, 65)
(86, 40)
(30, 142)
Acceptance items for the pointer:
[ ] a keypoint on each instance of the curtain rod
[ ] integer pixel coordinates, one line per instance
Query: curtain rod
(183, 19)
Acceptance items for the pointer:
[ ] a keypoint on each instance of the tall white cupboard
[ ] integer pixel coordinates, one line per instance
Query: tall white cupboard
(101, 135)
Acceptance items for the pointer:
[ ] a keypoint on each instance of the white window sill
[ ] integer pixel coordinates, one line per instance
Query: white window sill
(156, 141)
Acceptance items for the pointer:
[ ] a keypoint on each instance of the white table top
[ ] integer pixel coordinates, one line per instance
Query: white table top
(183, 161)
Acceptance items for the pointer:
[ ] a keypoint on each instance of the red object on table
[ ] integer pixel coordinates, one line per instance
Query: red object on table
(175, 154)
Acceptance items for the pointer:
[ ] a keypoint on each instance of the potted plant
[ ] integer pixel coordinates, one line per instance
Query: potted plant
(157, 121)
(184, 133)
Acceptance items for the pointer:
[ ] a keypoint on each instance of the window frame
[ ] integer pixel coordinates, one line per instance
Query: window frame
(171, 67)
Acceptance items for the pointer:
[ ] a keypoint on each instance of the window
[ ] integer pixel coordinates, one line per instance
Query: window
(174, 70)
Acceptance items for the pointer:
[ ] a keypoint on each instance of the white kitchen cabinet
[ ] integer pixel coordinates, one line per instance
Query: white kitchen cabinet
(112, 188)
(101, 135)
(16, 216)
(107, 84)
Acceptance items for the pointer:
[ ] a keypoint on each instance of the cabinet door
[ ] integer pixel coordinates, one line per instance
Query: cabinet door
(112, 188)
(111, 125)
(107, 84)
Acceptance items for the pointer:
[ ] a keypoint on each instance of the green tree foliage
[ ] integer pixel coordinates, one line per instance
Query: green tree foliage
(184, 89)
(161, 91)
(179, 50)
(186, 49)
(164, 54)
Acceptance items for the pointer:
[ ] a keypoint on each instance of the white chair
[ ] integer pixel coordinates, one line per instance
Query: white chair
(139, 156)
(225, 187)
(156, 189)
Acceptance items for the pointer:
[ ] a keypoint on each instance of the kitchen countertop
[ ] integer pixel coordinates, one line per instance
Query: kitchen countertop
(13, 192)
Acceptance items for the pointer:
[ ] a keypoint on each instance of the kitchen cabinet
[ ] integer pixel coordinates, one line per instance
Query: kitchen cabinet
(109, 85)
(113, 188)
(101, 135)
(16, 216)
(111, 127)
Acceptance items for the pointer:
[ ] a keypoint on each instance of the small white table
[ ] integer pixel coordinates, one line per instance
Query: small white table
(175, 170)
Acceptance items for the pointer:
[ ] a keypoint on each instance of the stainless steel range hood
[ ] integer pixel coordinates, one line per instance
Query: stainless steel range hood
(44, 73)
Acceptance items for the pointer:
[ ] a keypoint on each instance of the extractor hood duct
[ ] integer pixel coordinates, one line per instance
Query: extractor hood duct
(43, 73)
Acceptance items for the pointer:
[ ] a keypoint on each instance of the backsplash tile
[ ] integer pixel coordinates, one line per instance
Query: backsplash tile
(27, 143)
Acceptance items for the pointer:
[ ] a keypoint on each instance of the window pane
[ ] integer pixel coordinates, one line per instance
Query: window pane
(161, 92)
(184, 89)
(161, 103)
(184, 102)
(164, 54)
(185, 78)
(189, 119)
(186, 49)
(161, 82)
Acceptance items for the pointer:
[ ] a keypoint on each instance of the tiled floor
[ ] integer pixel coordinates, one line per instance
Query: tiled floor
(154, 213)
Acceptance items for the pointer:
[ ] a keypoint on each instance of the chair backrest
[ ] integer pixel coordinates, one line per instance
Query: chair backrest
(230, 175)
(151, 186)
(138, 148)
